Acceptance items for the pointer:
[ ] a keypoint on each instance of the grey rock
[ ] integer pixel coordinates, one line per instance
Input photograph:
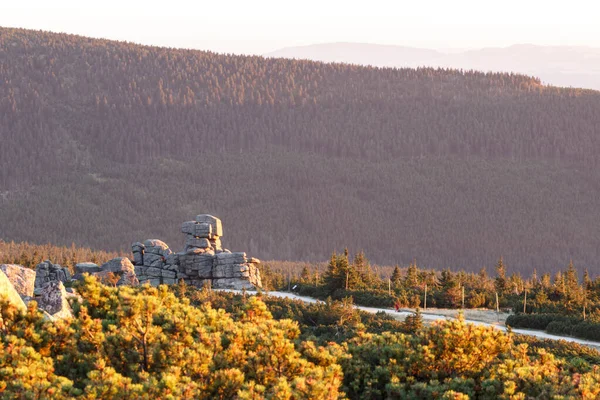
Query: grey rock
(222, 271)
(47, 272)
(151, 258)
(169, 274)
(189, 227)
(42, 273)
(203, 230)
(128, 278)
(158, 264)
(232, 283)
(138, 258)
(191, 272)
(8, 292)
(217, 227)
(119, 264)
(154, 243)
(88, 267)
(154, 272)
(22, 279)
(172, 259)
(121, 267)
(205, 272)
(138, 247)
(231, 258)
(170, 267)
(53, 300)
(201, 243)
(194, 250)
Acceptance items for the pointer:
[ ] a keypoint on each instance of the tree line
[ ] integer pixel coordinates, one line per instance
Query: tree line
(566, 292)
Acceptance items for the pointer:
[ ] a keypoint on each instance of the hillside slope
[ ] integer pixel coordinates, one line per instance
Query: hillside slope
(104, 143)
(569, 66)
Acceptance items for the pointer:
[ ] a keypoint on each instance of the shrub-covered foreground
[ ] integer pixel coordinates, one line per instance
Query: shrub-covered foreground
(172, 343)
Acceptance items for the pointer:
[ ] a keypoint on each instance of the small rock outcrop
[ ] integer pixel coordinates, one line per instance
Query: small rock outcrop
(119, 268)
(85, 268)
(8, 292)
(202, 262)
(53, 300)
(22, 279)
(122, 268)
(48, 272)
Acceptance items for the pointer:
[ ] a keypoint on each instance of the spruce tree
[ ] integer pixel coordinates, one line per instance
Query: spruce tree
(500, 283)
(396, 277)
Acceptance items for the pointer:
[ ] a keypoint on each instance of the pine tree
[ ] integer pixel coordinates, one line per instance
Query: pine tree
(412, 275)
(396, 277)
(414, 322)
(334, 276)
(572, 288)
(305, 275)
(362, 276)
(500, 283)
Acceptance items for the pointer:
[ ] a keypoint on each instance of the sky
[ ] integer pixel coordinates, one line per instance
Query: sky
(261, 26)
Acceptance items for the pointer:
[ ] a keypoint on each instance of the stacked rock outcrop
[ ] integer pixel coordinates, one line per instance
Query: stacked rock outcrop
(154, 262)
(202, 262)
(48, 272)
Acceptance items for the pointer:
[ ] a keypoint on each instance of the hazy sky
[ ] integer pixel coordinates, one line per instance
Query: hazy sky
(260, 26)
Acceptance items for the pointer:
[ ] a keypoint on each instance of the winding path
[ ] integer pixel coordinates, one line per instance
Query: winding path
(434, 317)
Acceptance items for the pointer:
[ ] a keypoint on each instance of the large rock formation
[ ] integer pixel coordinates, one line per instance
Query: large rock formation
(22, 279)
(203, 261)
(48, 272)
(8, 292)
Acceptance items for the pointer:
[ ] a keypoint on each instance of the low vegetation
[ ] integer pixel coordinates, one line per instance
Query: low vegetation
(181, 342)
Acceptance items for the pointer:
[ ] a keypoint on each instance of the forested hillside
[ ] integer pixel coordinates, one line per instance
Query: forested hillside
(105, 143)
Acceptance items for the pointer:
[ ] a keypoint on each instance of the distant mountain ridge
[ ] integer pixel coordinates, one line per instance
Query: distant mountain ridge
(104, 142)
(568, 66)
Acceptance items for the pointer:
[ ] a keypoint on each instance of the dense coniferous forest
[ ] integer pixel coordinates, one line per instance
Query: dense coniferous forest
(105, 143)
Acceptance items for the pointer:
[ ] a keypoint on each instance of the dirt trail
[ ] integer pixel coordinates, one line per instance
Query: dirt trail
(477, 317)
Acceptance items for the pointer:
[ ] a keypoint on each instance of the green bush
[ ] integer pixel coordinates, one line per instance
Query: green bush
(557, 325)
(537, 321)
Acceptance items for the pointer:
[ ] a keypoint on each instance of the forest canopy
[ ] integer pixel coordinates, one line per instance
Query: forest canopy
(106, 143)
